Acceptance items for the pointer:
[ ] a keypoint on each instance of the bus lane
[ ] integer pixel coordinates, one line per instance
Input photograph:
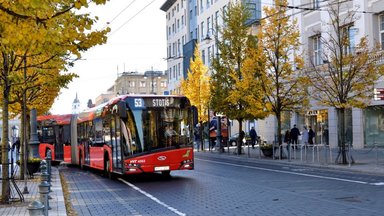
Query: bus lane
(92, 194)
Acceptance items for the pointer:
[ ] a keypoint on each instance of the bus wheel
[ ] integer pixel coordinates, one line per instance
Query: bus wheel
(166, 173)
(107, 170)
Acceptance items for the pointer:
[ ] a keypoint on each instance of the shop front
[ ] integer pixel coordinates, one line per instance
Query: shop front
(318, 120)
(374, 126)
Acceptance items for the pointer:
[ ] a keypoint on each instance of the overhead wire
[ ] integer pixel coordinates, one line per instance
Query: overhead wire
(113, 19)
(132, 18)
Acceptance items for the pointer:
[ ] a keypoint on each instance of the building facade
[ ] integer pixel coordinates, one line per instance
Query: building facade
(196, 20)
(149, 82)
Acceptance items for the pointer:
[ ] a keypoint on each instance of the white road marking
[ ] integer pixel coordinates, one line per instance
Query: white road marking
(174, 210)
(292, 173)
(378, 183)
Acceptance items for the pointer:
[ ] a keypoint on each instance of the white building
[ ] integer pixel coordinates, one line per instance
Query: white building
(76, 105)
(194, 20)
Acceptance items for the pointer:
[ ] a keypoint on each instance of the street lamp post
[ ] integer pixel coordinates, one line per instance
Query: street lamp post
(208, 39)
(25, 156)
(15, 132)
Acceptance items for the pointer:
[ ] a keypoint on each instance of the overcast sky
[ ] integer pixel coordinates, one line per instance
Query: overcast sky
(137, 42)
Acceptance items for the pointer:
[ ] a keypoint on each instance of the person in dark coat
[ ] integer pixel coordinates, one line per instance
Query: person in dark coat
(294, 135)
(311, 135)
(253, 135)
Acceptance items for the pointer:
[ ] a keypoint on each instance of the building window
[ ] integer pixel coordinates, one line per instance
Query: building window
(316, 48)
(315, 4)
(131, 83)
(179, 70)
(381, 28)
(174, 72)
(178, 48)
(203, 56)
(142, 84)
(202, 30)
(163, 84)
(209, 56)
(208, 25)
(348, 34)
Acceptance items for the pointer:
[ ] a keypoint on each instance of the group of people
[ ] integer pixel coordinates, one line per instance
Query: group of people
(292, 136)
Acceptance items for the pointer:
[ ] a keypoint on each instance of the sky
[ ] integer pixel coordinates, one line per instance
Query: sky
(137, 42)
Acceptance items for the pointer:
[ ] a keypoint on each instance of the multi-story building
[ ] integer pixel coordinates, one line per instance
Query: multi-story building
(149, 82)
(196, 21)
(191, 22)
(367, 125)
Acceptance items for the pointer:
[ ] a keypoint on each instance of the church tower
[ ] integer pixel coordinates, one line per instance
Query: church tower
(76, 106)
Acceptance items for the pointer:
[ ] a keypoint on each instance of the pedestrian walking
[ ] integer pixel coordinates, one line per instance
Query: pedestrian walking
(294, 135)
(253, 135)
(287, 138)
(311, 135)
(305, 136)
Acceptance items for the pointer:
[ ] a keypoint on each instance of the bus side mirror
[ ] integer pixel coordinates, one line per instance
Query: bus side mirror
(122, 109)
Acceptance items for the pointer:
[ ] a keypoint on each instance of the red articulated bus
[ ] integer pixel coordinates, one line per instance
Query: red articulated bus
(133, 134)
(54, 133)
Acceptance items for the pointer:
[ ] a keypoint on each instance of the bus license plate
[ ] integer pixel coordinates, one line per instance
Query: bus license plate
(161, 168)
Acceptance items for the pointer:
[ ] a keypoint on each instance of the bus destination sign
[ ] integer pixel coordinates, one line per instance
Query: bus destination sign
(141, 103)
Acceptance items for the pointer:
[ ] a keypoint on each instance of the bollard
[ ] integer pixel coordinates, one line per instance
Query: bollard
(44, 178)
(36, 208)
(44, 190)
(49, 161)
(43, 165)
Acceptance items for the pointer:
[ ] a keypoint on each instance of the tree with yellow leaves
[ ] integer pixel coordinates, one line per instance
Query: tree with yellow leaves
(345, 74)
(197, 88)
(235, 83)
(36, 36)
(282, 83)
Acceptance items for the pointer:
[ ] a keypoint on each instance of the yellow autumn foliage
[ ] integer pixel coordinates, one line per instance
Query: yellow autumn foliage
(196, 86)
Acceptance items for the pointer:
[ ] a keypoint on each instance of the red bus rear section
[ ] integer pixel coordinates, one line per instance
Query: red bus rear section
(54, 134)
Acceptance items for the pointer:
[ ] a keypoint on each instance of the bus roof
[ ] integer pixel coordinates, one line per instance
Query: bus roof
(56, 119)
(102, 108)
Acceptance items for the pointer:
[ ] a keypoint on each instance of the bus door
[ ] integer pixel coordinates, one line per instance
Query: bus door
(58, 143)
(117, 162)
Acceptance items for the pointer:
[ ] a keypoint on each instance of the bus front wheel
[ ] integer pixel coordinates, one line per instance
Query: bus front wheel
(166, 173)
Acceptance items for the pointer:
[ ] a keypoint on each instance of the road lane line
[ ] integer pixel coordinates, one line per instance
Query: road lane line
(287, 172)
(174, 210)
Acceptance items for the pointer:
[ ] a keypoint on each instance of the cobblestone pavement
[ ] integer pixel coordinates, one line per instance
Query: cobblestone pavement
(365, 161)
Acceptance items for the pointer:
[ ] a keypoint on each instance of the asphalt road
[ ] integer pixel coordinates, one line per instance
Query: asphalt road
(227, 186)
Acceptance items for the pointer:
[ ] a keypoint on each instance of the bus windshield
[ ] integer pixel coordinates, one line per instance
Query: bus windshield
(156, 128)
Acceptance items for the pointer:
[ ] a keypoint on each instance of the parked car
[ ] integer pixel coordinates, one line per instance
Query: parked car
(233, 139)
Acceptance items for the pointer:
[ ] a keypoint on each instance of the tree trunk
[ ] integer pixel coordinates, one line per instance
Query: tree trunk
(5, 193)
(201, 128)
(341, 137)
(240, 138)
(279, 137)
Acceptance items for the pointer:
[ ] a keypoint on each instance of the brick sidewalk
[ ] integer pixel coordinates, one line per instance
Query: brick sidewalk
(17, 208)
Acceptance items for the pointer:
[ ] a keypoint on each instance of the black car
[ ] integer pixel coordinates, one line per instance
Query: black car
(233, 139)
